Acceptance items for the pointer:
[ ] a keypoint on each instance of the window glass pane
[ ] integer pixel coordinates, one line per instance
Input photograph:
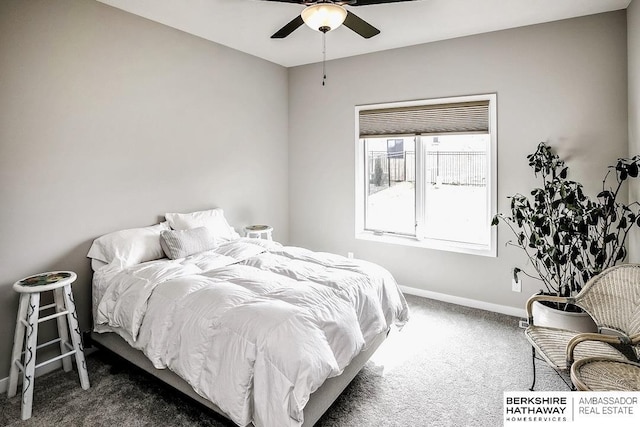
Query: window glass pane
(390, 192)
(456, 188)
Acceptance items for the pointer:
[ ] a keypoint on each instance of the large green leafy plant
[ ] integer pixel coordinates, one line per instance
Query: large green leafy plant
(567, 237)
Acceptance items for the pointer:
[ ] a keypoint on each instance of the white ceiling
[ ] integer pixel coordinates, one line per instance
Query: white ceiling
(247, 25)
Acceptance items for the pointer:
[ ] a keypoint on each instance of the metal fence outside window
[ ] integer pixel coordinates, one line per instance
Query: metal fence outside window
(442, 167)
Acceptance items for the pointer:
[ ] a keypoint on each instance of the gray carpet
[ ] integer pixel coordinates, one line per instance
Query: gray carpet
(449, 366)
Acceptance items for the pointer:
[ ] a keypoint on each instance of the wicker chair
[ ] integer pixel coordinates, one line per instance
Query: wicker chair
(612, 298)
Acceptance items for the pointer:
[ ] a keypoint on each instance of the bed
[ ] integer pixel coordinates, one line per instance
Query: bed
(261, 333)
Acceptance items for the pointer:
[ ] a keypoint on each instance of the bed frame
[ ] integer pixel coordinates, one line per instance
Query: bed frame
(319, 401)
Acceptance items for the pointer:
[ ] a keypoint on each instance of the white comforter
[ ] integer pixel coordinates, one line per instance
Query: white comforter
(253, 326)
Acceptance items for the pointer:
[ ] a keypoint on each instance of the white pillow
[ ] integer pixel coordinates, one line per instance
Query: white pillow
(131, 246)
(213, 219)
(182, 243)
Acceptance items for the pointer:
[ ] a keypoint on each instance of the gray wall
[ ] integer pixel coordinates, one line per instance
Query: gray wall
(563, 82)
(108, 121)
(633, 47)
(100, 107)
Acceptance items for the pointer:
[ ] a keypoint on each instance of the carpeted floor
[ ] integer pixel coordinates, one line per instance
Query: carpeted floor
(449, 366)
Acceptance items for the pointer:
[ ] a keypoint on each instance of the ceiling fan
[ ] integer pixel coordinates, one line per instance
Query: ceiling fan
(327, 15)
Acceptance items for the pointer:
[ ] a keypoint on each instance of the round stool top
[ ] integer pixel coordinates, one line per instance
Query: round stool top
(602, 374)
(258, 228)
(45, 281)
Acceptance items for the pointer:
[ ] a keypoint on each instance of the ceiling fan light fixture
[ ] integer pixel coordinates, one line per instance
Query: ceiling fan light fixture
(324, 17)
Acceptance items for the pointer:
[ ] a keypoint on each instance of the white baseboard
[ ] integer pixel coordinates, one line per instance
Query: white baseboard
(50, 367)
(467, 302)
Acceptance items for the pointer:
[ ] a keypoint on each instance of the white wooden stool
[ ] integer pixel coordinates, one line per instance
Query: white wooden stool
(257, 231)
(64, 310)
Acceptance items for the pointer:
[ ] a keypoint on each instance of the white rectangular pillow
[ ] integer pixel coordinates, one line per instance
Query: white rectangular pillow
(131, 246)
(182, 243)
(213, 219)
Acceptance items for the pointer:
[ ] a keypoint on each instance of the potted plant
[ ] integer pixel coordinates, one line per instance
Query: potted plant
(568, 237)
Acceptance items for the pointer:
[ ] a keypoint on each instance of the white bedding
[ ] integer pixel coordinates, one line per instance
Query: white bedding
(253, 326)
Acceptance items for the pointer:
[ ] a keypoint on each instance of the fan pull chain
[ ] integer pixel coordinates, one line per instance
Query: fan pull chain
(324, 57)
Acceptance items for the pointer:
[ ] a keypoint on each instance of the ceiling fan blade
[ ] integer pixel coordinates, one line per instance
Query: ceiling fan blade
(372, 2)
(360, 26)
(289, 28)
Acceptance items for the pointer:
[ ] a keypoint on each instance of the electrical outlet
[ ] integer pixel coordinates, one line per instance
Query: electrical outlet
(516, 285)
(523, 324)
(349, 254)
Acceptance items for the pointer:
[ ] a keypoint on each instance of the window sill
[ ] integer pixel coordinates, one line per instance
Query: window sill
(441, 245)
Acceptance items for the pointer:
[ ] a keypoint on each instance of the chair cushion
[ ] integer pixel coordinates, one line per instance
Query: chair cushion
(551, 345)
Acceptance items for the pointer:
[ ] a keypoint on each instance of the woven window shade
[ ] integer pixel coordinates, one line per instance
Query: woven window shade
(462, 117)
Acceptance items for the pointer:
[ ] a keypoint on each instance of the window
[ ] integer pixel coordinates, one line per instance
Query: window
(426, 173)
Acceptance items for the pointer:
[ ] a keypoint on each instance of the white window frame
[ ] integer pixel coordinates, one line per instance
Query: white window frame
(490, 249)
